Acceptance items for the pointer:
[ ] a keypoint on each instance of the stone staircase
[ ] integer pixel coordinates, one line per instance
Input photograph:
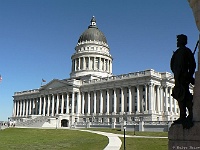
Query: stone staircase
(36, 122)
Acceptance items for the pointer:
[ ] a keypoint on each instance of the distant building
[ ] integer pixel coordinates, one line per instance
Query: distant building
(94, 94)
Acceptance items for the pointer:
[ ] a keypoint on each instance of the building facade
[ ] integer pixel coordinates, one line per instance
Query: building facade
(94, 94)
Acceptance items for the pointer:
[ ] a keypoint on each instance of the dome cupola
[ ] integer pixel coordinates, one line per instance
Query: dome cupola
(92, 33)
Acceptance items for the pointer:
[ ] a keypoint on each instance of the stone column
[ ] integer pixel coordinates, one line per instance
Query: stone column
(95, 67)
(75, 63)
(115, 101)
(30, 107)
(101, 102)
(104, 65)
(23, 114)
(73, 102)
(79, 63)
(95, 102)
(78, 103)
(170, 99)
(48, 106)
(88, 102)
(122, 100)
(146, 97)
(36, 106)
(158, 98)
(166, 99)
(67, 103)
(40, 105)
(57, 103)
(14, 108)
(108, 101)
(53, 105)
(130, 99)
(20, 107)
(44, 106)
(151, 97)
(72, 66)
(17, 103)
(108, 70)
(26, 107)
(161, 99)
(138, 99)
(100, 65)
(83, 103)
(84, 64)
(111, 66)
(89, 65)
(62, 103)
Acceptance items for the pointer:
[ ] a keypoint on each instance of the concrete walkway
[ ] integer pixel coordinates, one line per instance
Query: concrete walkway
(114, 140)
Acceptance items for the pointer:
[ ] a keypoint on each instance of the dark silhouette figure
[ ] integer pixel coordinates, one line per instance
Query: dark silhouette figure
(183, 66)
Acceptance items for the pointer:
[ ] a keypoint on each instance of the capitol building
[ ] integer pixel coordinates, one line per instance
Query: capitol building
(94, 94)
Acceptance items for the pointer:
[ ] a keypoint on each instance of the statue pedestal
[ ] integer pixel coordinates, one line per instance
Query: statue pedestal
(187, 139)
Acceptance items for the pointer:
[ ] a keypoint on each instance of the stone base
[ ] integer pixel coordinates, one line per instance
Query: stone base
(180, 138)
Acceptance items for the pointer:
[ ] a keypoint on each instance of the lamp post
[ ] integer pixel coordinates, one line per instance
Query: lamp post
(124, 137)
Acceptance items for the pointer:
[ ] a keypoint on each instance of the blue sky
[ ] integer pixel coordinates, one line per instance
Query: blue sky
(37, 38)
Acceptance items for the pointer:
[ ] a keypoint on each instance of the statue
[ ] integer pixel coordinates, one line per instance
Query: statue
(183, 66)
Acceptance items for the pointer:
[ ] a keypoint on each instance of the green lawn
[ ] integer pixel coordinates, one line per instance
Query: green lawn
(50, 139)
(63, 139)
(140, 143)
(145, 144)
(118, 131)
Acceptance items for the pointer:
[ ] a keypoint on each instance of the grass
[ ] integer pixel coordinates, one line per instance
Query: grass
(118, 131)
(63, 139)
(50, 139)
(145, 144)
(140, 143)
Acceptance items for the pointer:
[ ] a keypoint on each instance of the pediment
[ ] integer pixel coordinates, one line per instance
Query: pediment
(54, 84)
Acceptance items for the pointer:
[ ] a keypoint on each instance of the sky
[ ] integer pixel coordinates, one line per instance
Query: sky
(38, 37)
